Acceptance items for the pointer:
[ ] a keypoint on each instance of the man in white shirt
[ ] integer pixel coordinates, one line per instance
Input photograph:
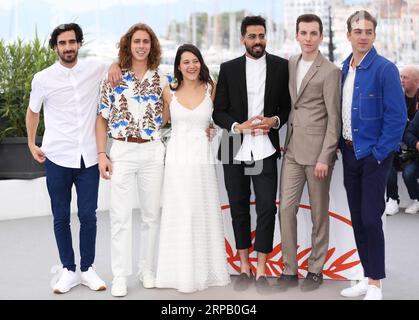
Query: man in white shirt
(310, 150)
(68, 90)
(252, 102)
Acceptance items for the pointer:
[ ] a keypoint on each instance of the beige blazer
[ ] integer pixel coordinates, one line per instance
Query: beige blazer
(315, 119)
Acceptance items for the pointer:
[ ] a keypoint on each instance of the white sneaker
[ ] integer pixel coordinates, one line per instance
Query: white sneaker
(92, 280)
(68, 280)
(374, 293)
(392, 207)
(357, 290)
(413, 208)
(148, 279)
(119, 287)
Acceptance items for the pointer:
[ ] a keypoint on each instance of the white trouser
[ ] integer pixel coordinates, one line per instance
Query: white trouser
(141, 163)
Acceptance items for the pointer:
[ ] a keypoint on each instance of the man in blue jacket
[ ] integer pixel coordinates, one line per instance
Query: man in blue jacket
(374, 118)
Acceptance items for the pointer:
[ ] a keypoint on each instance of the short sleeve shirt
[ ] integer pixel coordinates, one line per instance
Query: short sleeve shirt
(69, 98)
(134, 108)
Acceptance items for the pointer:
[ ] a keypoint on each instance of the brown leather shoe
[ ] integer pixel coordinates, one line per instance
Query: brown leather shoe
(312, 281)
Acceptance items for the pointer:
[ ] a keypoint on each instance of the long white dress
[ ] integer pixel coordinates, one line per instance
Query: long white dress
(191, 252)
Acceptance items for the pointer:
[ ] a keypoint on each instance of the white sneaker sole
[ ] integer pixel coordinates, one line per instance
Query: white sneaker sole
(100, 288)
(148, 285)
(119, 294)
(58, 291)
(353, 295)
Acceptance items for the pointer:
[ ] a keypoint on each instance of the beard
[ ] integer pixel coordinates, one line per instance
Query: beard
(68, 60)
(256, 51)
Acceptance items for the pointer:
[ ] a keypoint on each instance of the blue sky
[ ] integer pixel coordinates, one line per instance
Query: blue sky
(111, 18)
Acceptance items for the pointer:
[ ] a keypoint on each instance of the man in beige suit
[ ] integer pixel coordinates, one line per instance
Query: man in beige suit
(310, 150)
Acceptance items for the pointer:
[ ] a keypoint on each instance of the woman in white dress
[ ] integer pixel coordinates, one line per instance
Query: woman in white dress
(192, 253)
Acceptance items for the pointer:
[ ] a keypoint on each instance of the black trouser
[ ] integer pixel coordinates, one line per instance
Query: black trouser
(265, 186)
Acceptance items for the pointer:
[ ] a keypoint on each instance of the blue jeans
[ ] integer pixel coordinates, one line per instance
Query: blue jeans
(410, 178)
(59, 182)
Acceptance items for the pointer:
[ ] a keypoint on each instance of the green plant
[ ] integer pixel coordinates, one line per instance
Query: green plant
(19, 61)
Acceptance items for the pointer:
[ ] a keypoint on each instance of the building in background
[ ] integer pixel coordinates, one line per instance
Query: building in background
(294, 8)
(217, 32)
(399, 24)
(340, 14)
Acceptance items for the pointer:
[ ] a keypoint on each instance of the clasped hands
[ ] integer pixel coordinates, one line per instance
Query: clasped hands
(257, 125)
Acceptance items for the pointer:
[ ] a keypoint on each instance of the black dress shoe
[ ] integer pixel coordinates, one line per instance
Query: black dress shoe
(243, 281)
(312, 281)
(262, 285)
(286, 281)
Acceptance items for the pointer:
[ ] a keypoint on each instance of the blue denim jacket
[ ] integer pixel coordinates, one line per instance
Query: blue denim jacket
(378, 107)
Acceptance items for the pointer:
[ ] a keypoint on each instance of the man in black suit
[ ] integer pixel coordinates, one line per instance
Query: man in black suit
(252, 102)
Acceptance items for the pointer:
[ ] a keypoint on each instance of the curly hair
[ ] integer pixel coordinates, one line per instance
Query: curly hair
(125, 55)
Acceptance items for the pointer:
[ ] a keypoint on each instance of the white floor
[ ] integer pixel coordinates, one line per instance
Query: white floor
(28, 252)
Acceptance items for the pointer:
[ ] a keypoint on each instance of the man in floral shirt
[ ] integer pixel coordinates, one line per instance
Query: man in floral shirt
(131, 114)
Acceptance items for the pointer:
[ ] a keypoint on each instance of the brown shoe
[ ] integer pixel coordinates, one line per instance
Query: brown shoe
(312, 281)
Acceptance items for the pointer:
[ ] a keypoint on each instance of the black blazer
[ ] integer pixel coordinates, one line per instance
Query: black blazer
(231, 99)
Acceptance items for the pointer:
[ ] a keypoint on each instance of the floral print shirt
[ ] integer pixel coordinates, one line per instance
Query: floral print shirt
(134, 108)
